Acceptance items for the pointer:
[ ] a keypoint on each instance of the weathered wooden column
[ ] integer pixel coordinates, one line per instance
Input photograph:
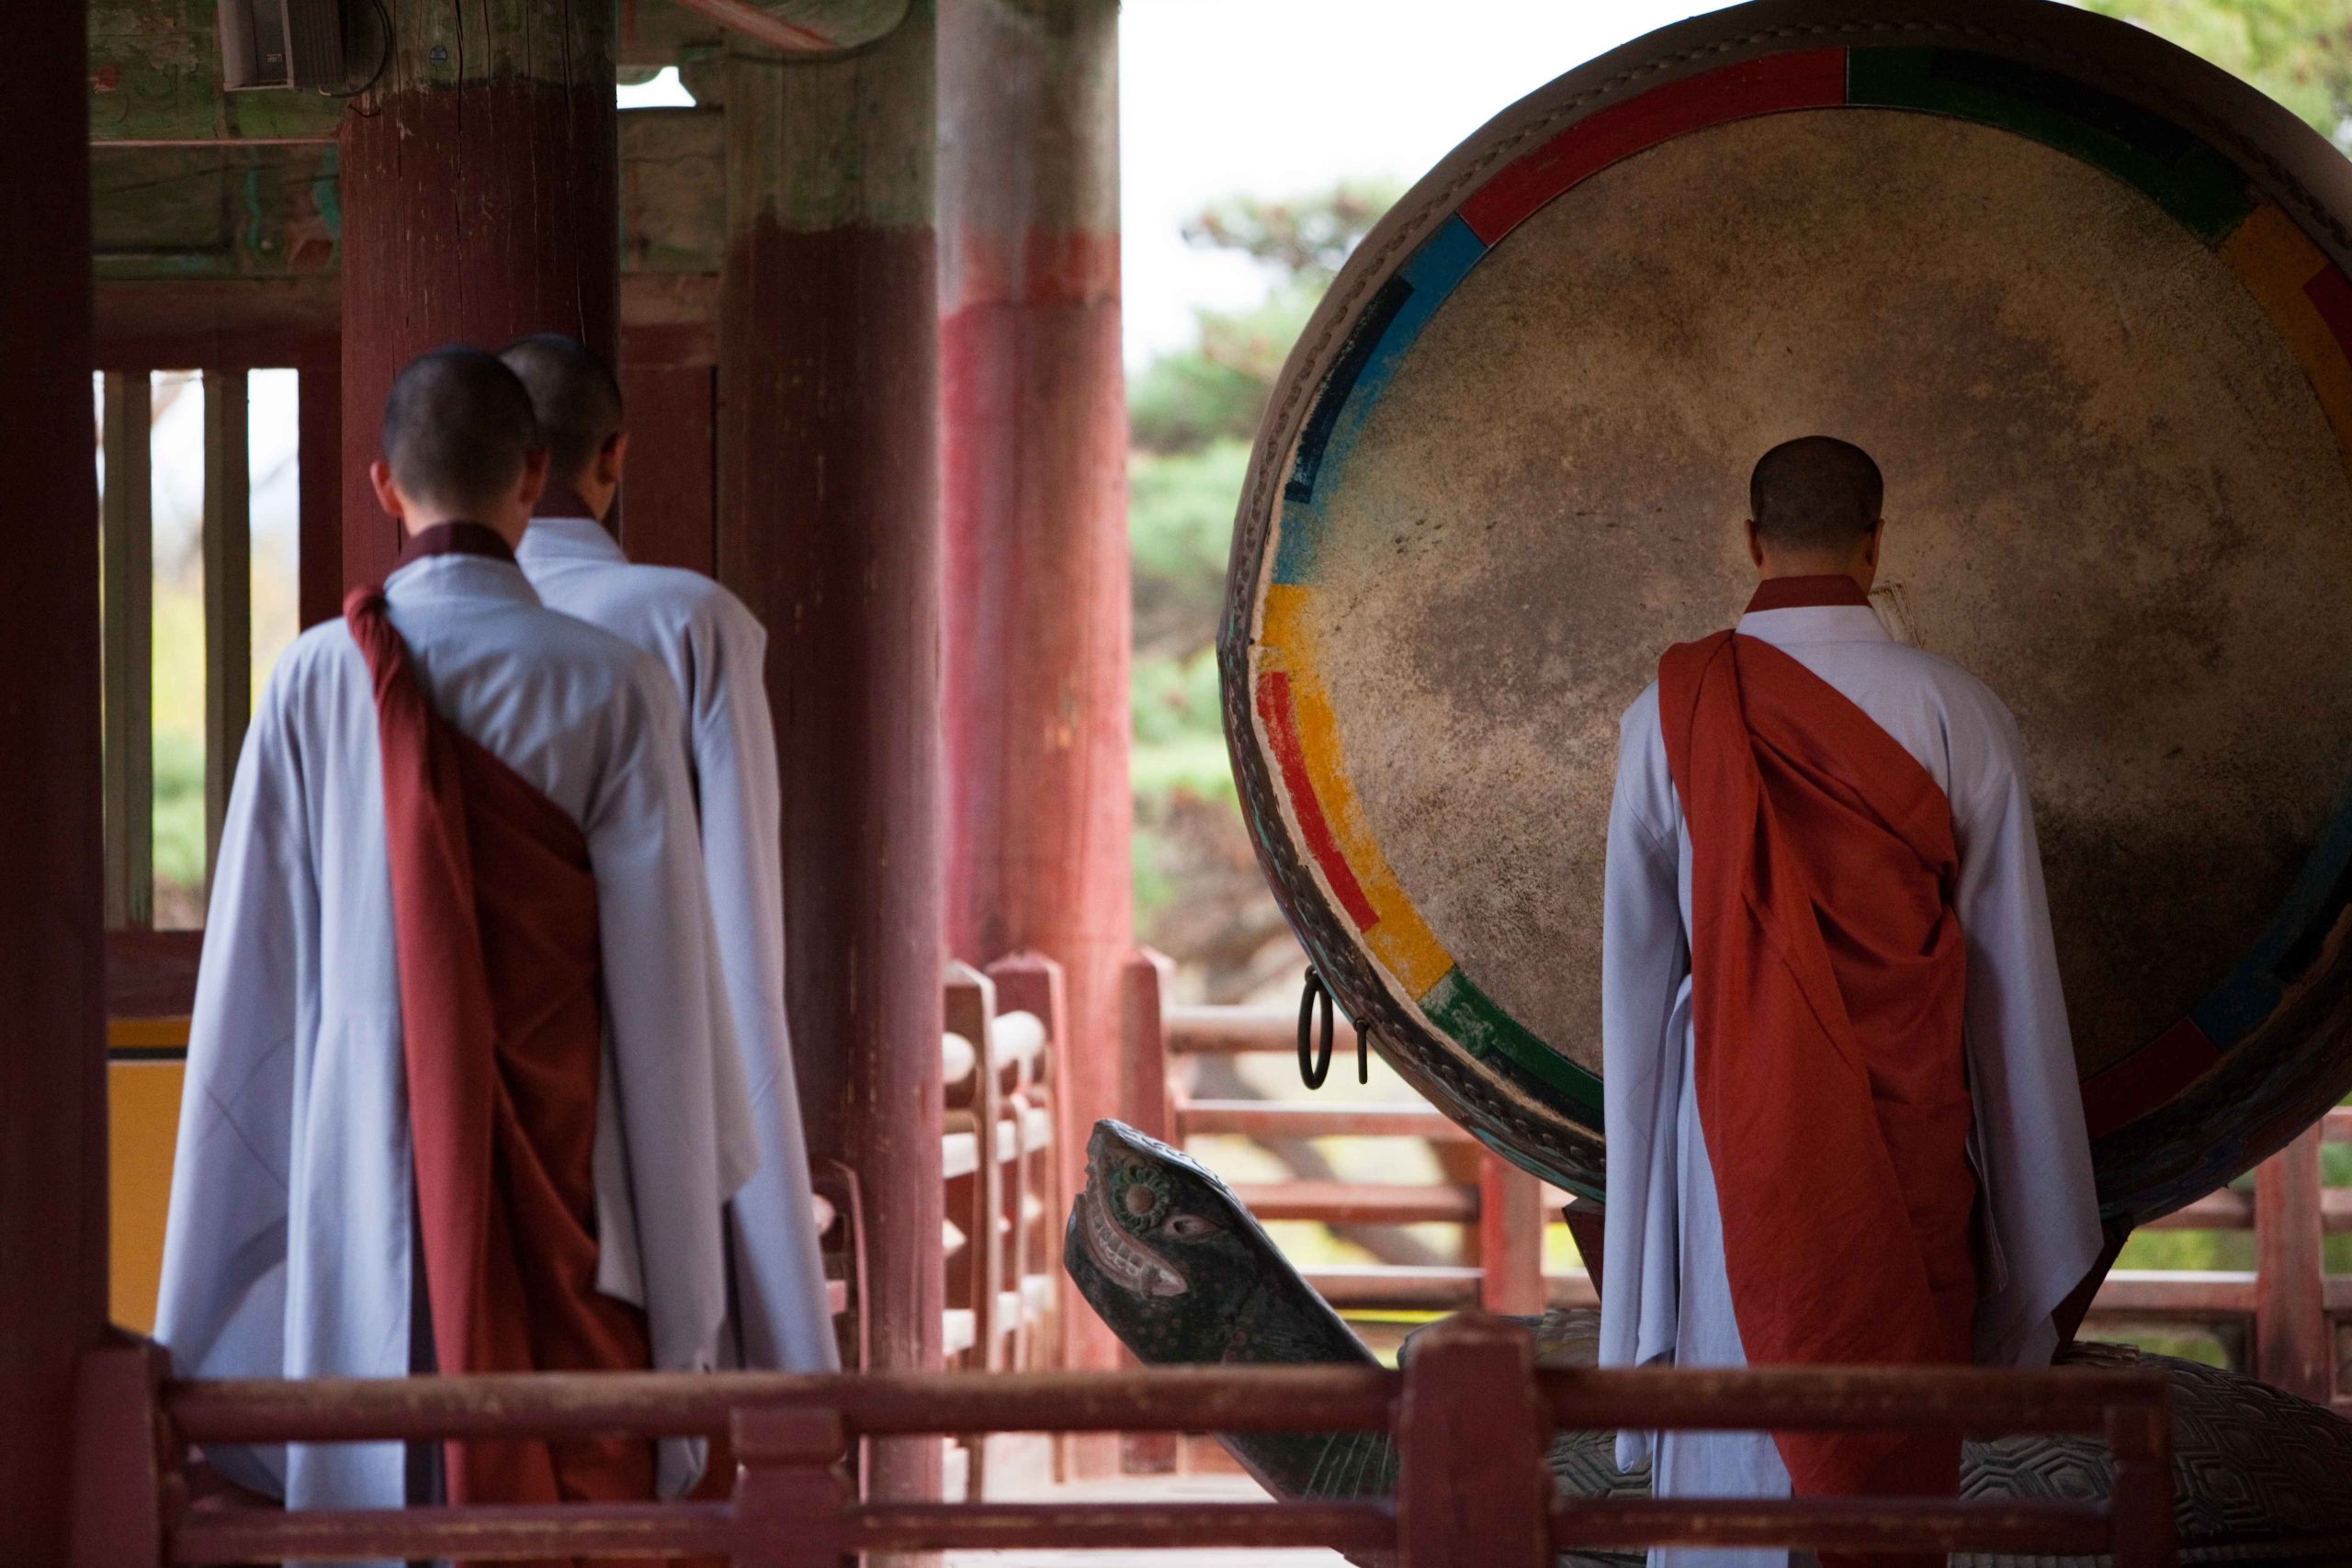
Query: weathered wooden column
(829, 530)
(1034, 508)
(479, 202)
(53, 1048)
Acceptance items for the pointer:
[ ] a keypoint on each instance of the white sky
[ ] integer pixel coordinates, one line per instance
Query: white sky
(1279, 96)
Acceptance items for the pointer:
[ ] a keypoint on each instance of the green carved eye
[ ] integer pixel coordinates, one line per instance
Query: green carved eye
(1139, 1196)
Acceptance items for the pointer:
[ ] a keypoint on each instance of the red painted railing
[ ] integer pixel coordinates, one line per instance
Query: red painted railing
(1472, 1421)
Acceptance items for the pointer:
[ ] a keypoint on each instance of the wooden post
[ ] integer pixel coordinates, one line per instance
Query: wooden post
(1146, 1099)
(1510, 1238)
(1035, 511)
(121, 1470)
(2292, 1346)
(227, 594)
(829, 532)
(319, 458)
(1472, 1490)
(789, 1497)
(128, 524)
(52, 1068)
(2139, 1504)
(480, 201)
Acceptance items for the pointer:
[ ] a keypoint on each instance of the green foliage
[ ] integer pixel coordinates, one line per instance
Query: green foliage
(179, 809)
(1180, 529)
(2298, 52)
(1305, 237)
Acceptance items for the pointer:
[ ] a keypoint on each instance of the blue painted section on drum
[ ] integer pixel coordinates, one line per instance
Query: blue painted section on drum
(2287, 949)
(1384, 335)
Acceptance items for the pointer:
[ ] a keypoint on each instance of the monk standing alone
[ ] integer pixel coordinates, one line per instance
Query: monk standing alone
(1828, 977)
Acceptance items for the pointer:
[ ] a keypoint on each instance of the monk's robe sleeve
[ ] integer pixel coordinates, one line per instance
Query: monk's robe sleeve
(780, 1271)
(684, 1127)
(2041, 1208)
(1644, 960)
(222, 1307)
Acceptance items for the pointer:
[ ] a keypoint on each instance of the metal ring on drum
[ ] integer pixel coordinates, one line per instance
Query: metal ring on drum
(2084, 297)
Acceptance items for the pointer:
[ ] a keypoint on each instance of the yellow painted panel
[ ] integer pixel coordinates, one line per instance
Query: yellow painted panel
(143, 1125)
(2274, 258)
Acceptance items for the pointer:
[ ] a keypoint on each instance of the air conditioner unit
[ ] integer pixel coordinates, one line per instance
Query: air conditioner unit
(281, 43)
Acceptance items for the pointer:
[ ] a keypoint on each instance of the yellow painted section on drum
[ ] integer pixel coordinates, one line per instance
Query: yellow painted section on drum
(1282, 629)
(1400, 939)
(2274, 258)
(143, 1125)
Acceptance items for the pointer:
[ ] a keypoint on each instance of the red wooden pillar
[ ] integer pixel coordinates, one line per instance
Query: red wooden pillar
(2293, 1347)
(829, 530)
(1510, 1238)
(318, 563)
(52, 1063)
(479, 202)
(1034, 510)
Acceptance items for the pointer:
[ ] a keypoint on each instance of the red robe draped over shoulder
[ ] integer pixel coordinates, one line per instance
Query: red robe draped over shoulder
(494, 909)
(1828, 972)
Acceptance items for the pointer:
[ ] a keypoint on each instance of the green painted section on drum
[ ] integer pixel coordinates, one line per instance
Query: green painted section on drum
(2202, 189)
(1457, 1005)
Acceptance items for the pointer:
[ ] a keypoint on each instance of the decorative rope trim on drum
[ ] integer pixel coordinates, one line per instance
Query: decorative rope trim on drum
(2205, 190)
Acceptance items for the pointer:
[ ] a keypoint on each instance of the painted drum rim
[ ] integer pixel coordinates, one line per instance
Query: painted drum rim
(2207, 1098)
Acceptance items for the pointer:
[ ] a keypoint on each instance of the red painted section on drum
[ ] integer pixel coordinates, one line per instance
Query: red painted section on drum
(1810, 79)
(829, 533)
(469, 215)
(1282, 735)
(668, 503)
(2119, 1095)
(52, 1083)
(2331, 295)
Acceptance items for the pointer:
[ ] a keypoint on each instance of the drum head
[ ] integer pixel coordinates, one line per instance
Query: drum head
(2080, 297)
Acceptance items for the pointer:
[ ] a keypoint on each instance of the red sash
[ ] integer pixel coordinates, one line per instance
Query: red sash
(494, 906)
(1828, 972)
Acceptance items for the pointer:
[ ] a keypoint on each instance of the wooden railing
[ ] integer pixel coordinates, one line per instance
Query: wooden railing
(1503, 1212)
(2281, 1319)
(1472, 1421)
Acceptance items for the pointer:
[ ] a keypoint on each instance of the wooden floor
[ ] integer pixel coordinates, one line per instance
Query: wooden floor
(1152, 1488)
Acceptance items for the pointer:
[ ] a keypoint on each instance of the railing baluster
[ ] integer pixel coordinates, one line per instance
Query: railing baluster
(127, 534)
(227, 594)
(1473, 1491)
(789, 1495)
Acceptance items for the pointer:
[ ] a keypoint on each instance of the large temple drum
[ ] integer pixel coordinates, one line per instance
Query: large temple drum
(2085, 300)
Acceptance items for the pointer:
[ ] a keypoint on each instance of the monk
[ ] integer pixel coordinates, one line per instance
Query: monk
(715, 652)
(1828, 975)
(462, 1092)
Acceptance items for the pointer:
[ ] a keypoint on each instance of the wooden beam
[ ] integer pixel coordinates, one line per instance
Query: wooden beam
(1243, 1031)
(128, 544)
(227, 594)
(1290, 1118)
(1362, 1203)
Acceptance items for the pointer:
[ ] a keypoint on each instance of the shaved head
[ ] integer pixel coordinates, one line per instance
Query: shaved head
(575, 396)
(1814, 495)
(458, 430)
